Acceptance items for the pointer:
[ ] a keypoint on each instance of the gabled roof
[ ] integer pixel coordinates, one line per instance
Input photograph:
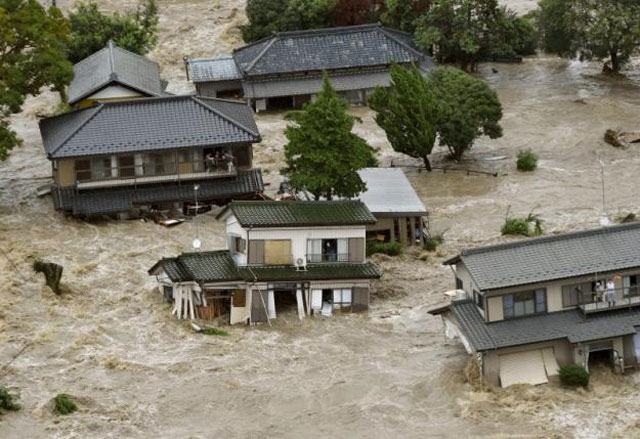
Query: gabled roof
(213, 266)
(147, 125)
(570, 325)
(114, 65)
(299, 213)
(389, 192)
(327, 49)
(554, 257)
(219, 68)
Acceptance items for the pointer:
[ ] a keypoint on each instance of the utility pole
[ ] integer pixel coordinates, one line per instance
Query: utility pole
(604, 219)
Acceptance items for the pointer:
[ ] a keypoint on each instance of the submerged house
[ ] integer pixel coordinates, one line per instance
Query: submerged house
(528, 307)
(309, 256)
(149, 154)
(114, 74)
(285, 69)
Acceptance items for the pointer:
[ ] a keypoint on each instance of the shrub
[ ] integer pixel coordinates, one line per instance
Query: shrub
(214, 331)
(527, 161)
(8, 400)
(432, 242)
(391, 248)
(64, 404)
(522, 226)
(574, 375)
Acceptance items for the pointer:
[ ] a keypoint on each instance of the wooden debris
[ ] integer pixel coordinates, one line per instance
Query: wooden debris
(52, 273)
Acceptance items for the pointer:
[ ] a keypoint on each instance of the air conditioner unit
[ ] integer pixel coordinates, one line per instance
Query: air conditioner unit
(301, 264)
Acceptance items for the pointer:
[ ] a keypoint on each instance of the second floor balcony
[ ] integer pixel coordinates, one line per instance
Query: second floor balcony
(609, 300)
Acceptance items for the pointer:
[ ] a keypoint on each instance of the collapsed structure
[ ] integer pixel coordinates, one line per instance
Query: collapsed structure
(529, 306)
(285, 69)
(310, 255)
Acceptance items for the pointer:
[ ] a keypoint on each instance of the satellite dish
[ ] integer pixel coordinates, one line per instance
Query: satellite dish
(196, 243)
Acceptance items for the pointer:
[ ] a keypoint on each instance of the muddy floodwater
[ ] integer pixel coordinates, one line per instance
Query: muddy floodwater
(137, 373)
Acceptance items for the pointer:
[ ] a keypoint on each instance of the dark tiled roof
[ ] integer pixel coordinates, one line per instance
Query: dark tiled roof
(148, 124)
(116, 200)
(553, 257)
(299, 213)
(571, 325)
(114, 65)
(313, 272)
(214, 266)
(220, 68)
(327, 49)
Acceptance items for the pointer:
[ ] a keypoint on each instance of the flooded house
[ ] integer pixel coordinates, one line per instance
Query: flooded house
(305, 256)
(148, 154)
(525, 308)
(285, 70)
(114, 74)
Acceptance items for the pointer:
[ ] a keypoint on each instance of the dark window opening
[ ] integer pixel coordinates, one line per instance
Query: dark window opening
(478, 299)
(126, 166)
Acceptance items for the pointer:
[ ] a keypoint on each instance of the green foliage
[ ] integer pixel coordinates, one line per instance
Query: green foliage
(606, 29)
(391, 248)
(402, 14)
(91, 30)
(467, 109)
(527, 161)
(8, 400)
(407, 111)
(522, 226)
(64, 405)
(573, 375)
(269, 16)
(523, 35)
(215, 331)
(432, 242)
(32, 56)
(323, 155)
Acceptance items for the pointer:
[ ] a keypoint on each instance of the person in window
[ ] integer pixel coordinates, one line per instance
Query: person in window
(210, 162)
(610, 294)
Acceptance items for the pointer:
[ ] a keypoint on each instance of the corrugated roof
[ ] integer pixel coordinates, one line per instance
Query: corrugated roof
(299, 213)
(389, 192)
(327, 49)
(571, 325)
(548, 258)
(148, 124)
(123, 199)
(220, 68)
(114, 65)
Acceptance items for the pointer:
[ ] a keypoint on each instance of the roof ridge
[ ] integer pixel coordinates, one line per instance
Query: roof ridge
(137, 55)
(386, 32)
(261, 54)
(112, 62)
(549, 238)
(93, 55)
(226, 117)
(211, 58)
(329, 30)
(97, 109)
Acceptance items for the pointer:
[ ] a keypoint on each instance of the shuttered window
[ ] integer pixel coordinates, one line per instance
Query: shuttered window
(356, 249)
(256, 252)
(277, 252)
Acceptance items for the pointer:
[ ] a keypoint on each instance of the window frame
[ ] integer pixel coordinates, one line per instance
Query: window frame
(537, 309)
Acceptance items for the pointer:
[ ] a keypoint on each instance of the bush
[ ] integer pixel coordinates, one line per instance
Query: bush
(391, 248)
(527, 161)
(522, 226)
(574, 375)
(64, 404)
(214, 331)
(432, 242)
(8, 400)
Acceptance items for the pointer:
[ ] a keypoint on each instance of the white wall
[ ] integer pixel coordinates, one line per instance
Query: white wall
(233, 228)
(115, 91)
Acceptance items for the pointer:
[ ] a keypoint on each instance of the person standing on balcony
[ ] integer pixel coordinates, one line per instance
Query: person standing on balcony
(599, 292)
(210, 162)
(610, 294)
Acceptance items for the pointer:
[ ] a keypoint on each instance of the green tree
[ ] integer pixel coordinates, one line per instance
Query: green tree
(467, 109)
(402, 14)
(269, 16)
(407, 112)
(323, 155)
(91, 30)
(556, 24)
(32, 56)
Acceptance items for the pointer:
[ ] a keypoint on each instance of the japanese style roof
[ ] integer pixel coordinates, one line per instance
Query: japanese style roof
(571, 325)
(548, 258)
(219, 266)
(114, 65)
(327, 49)
(299, 213)
(220, 68)
(148, 125)
(124, 199)
(389, 193)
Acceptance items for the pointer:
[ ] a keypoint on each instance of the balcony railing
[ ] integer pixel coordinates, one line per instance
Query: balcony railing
(327, 257)
(627, 297)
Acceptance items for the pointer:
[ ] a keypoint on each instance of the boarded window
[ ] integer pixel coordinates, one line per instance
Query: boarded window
(277, 252)
(360, 299)
(242, 155)
(239, 298)
(256, 252)
(356, 249)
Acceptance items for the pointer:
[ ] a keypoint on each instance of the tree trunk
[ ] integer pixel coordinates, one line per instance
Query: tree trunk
(615, 63)
(427, 163)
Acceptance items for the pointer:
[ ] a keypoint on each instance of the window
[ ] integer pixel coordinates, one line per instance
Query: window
(328, 250)
(126, 166)
(524, 303)
(478, 299)
(341, 298)
(630, 285)
(577, 294)
(101, 168)
(83, 170)
(459, 284)
(238, 244)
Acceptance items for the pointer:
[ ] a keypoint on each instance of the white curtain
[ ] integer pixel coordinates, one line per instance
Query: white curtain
(343, 249)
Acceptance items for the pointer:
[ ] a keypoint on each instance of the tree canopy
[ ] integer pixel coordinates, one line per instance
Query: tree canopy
(323, 154)
(402, 14)
(407, 113)
(91, 30)
(604, 30)
(449, 104)
(32, 56)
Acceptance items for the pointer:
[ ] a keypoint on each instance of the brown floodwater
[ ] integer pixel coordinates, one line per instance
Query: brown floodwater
(137, 373)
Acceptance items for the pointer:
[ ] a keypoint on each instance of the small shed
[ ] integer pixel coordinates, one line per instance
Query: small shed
(395, 204)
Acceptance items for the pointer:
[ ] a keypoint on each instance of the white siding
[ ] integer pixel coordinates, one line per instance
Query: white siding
(233, 228)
